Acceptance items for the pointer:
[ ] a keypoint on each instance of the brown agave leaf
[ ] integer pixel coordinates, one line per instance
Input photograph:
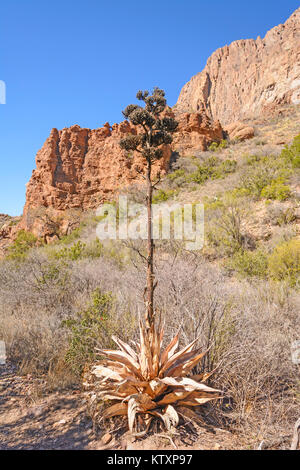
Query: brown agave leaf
(136, 383)
(170, 417)
(139, 403)
(113, 396)
(188, 384)
(125, 347)
(155, 353)
(145, 356)
(156, 387)
(147, 421)
(185, 362)
(170, 349)
(204, 376)
(161, 334)
(173, 397)
(188, 366)
(106, 373)
(119, 409)
(133, 408)
(119, 367)
(176, 356)
(196, 401)
(125, 359)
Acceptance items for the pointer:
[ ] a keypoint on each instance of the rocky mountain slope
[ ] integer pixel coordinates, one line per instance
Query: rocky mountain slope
(248, 77)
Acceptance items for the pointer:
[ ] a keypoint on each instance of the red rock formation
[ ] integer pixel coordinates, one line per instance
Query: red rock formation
(249, 77)
(78, 168)
(239, 131)
(195, 132)
(8, 231)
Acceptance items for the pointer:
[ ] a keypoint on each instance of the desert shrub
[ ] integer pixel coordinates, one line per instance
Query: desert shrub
(267, 177)
(214, 146)
(162, 196)
(176, 174)
(77, 251)
(284, 262)
(279, 215)
(277, 190)
(266, 181)
(248, 325)
(212, 168)
(34, 340)
(224, 230)
(250, 263)
(211, 204)
(292, 154)
(71, 237)
(254, 181)
(22, 244)
(93, 249)
(89, 329)
(74, 252)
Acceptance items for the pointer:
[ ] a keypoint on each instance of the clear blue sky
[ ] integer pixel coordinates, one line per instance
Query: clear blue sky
(69, 62)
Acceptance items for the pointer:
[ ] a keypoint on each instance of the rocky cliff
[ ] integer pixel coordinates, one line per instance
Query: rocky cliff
(249, 77)
(78, 168)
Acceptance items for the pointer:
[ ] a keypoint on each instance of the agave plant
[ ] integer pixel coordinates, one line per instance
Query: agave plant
(147, 382)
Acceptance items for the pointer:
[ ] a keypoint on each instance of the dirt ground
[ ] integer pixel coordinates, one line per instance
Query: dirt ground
(32, 418)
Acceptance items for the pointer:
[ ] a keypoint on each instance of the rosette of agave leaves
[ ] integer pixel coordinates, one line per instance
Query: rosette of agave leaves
(145, 382)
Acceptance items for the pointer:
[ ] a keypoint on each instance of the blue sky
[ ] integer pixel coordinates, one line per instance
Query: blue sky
(69, 62)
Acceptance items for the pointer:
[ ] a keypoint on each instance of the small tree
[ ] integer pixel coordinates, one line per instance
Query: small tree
(153, 132)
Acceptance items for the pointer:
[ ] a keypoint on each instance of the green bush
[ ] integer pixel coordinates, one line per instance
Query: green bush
(267, 177)
(250, 263)
(80, 250)
(74, 235)
(176, 174)
(54, 274)
(292, 154)
(284, 262)
(93, 249)
(223, 231)
(276, 190)
(162, 196)
(212, 168)
(22, 244)
(88, 330)
(72, 253)
(214, 146)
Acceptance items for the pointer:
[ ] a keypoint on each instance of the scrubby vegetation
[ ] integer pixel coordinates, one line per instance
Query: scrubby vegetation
(249, 326)
(239, 295)
(23, 242)
(89, 328)
(284, 262)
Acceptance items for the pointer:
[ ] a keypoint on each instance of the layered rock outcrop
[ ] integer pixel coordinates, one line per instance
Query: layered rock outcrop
(78, 168)
(8, 230)
(249, 77)
(195, 132)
